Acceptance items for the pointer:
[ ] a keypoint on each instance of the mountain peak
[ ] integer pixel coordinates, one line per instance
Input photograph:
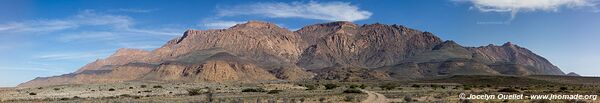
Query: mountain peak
(339, 23)
(573, 74)
(256, 24)
(446, 44)
(508, 44)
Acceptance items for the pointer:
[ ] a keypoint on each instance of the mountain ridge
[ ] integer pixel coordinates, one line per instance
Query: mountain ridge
(259, 51)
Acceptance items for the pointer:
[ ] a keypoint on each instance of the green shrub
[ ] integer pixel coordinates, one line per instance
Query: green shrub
(322, 99)
(111, 89)
(254, 90)
(274, 91)
(56, 88)
(195, 91)
(408, 98)
(331, 86)
(563, 88)
(508, 90)
(416, 86)
(353, 86)
(362, 86)
(349, 98)
(143, 86)
(32, 93)
(388, 86)
(310, 87)
(157, 86)
(352, 91)
(435, 86)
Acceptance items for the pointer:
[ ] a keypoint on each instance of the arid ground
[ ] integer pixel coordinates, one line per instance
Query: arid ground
(436, 90)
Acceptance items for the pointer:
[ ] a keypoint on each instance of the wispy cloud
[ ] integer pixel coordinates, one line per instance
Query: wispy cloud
(86, 18)
(36, 69)
(74, 55)
(331, 11)
(515, 6)
(36, 26)
(133, 10)
(87, 35)
(219, 24)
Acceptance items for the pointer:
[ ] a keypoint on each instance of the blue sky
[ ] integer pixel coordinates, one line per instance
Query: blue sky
(46, 38)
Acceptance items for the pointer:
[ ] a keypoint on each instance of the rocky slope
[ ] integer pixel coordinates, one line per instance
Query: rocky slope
(260, 51)
(510, 54)
(365, 46)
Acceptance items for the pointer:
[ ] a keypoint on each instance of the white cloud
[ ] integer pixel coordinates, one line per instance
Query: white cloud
(74, 55)
(86, 18)
(219, 24)
(331, 11)
(37, 26)
(515, 6)
(88, 35)
(133, 10)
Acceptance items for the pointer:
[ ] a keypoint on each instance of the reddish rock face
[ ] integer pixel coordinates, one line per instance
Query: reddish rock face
(260, 51)
(366, 46)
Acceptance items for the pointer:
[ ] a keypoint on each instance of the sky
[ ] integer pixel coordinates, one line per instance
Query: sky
(48, 38)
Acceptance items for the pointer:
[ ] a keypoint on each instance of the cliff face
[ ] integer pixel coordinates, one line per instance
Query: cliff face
(259, 51)
(263, 42)
(366, 46)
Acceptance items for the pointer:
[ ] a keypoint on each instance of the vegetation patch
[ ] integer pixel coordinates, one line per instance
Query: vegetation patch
(254, 90)
(331, 86)
(352, 91)
(274, 91)
(508, 90)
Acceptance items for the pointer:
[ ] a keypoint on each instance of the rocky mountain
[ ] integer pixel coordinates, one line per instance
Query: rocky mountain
(573, 74)
(258, 51)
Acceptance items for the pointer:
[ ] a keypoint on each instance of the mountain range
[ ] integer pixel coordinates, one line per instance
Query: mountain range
(344, 51)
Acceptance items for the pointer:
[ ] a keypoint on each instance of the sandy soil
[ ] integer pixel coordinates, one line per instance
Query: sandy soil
(374, 97)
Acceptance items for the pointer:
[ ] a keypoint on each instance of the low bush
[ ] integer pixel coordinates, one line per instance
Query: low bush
(508, 90)
(349, 98)
(274, 91)
(195, 91)
(111, 89)
(352, 91)
(254, 90)
(157, 86)
(32, 93)
(408, 98)
(353, 86)
(310, 87)
(388, 86)
(362, 86)
(331, 86)
(563, 88)
(435, 86)
(322, 99)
